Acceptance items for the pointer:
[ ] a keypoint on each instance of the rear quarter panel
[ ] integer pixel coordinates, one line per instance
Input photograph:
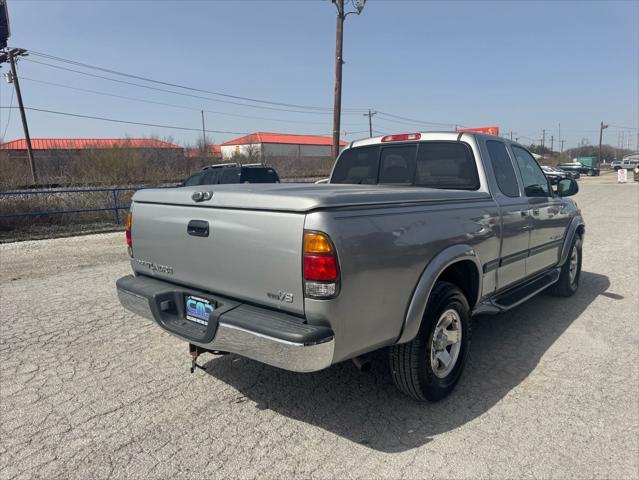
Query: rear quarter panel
(382, 254)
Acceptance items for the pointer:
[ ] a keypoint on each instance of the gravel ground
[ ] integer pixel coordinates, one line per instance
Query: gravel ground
(88, 390)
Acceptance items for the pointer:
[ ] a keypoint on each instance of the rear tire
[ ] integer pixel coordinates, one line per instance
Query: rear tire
(429, 366)
(568, 282)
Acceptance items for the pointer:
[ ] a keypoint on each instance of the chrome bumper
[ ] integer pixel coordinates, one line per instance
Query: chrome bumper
(278, 352)
(296, 357)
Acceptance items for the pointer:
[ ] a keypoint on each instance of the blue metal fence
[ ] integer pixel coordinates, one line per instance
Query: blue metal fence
(115, 207)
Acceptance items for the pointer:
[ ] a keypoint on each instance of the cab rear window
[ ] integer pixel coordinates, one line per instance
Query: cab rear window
(436, 164)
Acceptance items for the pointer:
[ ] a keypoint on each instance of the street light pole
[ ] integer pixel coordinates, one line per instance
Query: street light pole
(339, 61)
(602, 127)
(337, 96)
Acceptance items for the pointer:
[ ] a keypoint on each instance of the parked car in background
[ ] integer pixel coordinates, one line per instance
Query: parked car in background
(615, 164)
(555, 175)
(233, 173)
(574, 175)
(629, 162)
(579, 168)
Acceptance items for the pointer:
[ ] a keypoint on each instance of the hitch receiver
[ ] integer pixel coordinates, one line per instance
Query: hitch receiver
(196, 351)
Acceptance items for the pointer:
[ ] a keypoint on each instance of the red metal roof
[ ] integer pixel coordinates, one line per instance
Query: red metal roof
(214, 150)
(86, 143)
(286, 138)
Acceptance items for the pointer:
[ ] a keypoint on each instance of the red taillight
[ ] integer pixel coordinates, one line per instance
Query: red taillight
(320, 268)
(402, 137)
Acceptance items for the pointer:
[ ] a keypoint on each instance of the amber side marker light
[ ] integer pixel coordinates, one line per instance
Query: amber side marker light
(127, 232)
(320, 266)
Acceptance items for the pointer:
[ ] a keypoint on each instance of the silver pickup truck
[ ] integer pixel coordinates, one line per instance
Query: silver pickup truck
(412, 236)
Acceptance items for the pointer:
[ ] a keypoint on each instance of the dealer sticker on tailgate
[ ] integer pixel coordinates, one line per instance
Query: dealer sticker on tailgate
(198, 309)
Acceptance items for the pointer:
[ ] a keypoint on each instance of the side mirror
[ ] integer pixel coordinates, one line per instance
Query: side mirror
(567, 187)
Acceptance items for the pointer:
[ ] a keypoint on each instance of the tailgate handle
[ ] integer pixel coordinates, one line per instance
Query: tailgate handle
(198, 228)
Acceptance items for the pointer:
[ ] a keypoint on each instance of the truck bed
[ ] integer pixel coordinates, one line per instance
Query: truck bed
(296, 197)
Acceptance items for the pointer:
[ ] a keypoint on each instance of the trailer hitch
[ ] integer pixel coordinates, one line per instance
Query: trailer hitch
(196, 351)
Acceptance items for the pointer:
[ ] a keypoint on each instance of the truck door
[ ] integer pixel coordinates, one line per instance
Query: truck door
(549, 220)
(516, 222)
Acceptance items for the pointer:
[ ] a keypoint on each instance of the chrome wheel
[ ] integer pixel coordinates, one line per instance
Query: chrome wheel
(446, 344)
(574, 264)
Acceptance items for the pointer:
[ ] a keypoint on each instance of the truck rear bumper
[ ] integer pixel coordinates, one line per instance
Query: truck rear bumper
(268, 336)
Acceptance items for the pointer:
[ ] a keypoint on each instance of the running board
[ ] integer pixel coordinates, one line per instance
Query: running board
(517, 295)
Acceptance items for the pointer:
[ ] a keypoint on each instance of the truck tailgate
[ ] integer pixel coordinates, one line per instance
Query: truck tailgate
(251, 255)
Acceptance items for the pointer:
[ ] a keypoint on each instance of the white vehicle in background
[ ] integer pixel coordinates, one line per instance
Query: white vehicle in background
(629, 162)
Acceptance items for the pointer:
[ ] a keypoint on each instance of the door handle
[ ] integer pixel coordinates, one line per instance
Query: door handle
(198, 228)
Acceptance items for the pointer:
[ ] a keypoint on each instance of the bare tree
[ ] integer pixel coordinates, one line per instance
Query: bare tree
(205, 146)
(252, 153)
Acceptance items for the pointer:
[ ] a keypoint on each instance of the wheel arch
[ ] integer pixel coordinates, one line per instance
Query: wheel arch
(576, 227)
(457, 264)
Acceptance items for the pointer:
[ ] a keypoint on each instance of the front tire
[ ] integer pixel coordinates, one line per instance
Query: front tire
(568, 282)
(429, 366)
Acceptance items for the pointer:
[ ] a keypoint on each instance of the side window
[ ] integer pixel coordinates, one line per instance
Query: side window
(397, 165)
(357, 166)
(230, 175)
(446, 165)
(193, 180)
(503, 168)
(210, 178)
(535, 182)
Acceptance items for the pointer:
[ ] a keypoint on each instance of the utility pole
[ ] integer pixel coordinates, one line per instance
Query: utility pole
(370, 121)
(339, 61)
(511, 135)
(204, 148)
(10, 56)
(602, 127)
(543, 140)
(552, 144)
(559, 135)
(562, 146)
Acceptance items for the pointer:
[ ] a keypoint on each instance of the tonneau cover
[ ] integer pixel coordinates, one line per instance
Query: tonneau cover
(298, 197)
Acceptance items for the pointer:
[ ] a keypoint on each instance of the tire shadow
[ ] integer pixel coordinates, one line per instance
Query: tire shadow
(366, 408)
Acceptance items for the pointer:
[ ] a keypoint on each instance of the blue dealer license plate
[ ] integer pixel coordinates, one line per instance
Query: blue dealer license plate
(198, 310)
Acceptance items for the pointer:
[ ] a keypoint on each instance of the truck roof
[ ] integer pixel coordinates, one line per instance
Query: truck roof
(439, 135)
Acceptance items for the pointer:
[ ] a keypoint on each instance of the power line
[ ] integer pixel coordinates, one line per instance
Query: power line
(396, 118)
(174, 127)
(625, 128)
(176, 85)
(130, 122)
(166, 104)
(59, 67)
(412, 120)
